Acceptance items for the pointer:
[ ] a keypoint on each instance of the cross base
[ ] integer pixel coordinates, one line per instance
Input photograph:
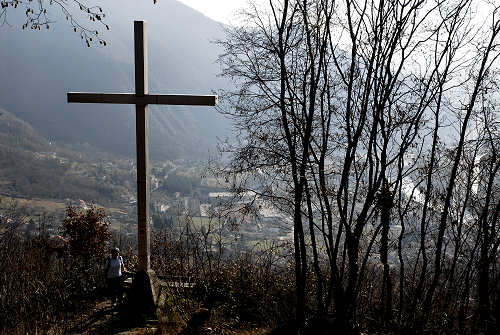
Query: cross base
(143, 296)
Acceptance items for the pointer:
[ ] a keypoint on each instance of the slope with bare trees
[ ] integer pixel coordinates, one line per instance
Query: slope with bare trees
(373, 125)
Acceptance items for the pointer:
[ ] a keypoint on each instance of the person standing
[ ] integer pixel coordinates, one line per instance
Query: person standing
(114, 272)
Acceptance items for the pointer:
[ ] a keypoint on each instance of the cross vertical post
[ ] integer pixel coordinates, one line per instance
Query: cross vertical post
(142, 143)
(143, 292)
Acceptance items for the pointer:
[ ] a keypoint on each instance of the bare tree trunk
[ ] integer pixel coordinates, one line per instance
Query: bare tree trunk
(497, 307)
(488, 244)
(451, 183)
(385, 204)
(320, 305)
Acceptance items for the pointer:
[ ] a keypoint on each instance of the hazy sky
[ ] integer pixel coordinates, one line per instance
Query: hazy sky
(219, 10)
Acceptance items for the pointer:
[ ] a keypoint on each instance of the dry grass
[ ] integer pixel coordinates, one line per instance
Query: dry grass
(48, 205)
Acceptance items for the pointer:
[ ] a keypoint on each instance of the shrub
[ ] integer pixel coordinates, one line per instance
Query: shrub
(88, 235)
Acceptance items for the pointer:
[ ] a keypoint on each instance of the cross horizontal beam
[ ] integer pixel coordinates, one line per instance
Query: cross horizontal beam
(147, 99)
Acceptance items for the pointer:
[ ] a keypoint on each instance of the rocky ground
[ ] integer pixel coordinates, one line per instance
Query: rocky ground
(103, 317)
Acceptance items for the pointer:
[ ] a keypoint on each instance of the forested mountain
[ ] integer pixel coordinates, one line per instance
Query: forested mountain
(33, 167)
(15, 133)
(39, 67)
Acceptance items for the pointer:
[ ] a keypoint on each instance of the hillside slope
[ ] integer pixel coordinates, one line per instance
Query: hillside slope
(38, 68)
(33, 167)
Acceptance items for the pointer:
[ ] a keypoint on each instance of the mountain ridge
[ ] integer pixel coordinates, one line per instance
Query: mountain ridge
(42, 66)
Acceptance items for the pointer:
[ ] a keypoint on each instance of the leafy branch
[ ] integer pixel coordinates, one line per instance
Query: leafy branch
(38, 16)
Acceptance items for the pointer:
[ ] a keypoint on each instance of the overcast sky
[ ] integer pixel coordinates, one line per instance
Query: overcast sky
(219, 10)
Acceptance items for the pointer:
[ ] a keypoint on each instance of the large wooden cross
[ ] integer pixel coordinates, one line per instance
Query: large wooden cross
(141, 99)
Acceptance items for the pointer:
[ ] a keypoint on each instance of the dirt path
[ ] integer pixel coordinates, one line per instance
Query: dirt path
(100, 317)
(104, 318)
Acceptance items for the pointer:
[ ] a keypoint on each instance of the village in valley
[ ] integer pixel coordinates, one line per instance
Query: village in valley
(305, 167)
(183, 197)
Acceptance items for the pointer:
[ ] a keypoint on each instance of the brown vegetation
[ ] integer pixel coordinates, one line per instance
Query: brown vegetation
(44, 279)
(373, 125)
(48, 282)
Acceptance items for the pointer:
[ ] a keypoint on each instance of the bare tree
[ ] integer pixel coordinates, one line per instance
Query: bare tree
(279, 58)
(341, 107)
(39, 14)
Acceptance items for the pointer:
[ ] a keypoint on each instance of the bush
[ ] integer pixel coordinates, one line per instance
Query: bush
(42, 278)
(34, 283)
(88, 235)
(241, 290)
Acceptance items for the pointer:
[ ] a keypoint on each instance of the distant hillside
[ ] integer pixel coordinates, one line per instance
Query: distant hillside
(38, 68)
(32, 167)
(15, 133)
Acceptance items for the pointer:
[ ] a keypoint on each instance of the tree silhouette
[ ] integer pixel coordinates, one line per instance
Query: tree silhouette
(39, 15)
